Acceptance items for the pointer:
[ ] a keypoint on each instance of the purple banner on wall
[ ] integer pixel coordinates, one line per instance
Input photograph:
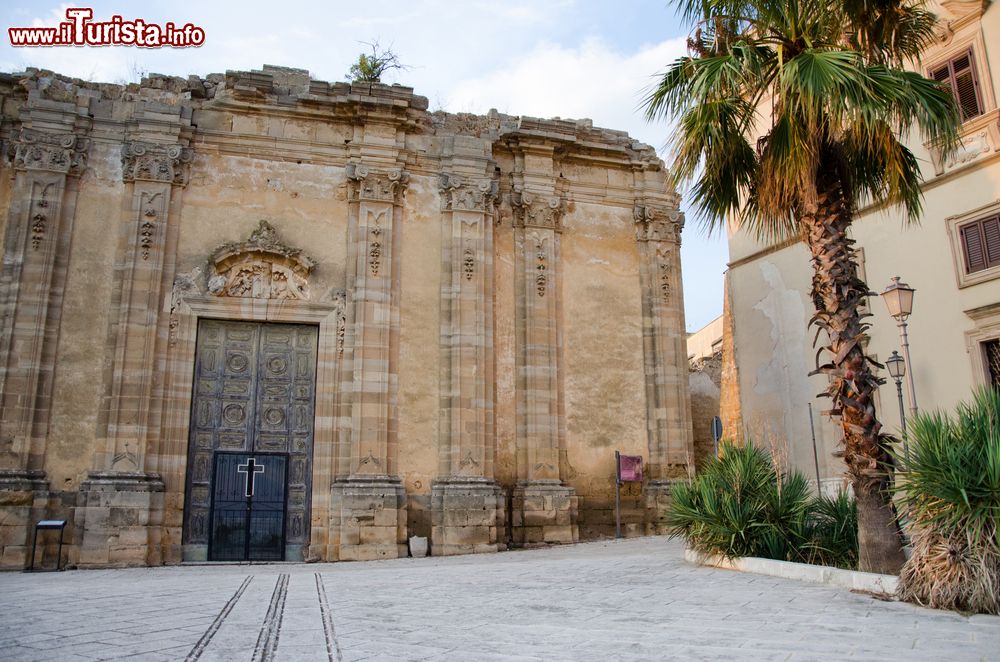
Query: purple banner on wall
(630, 468)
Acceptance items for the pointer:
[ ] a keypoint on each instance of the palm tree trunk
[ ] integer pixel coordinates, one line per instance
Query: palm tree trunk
(838, 294)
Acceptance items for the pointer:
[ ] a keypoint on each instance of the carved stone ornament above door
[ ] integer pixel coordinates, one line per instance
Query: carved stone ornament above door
(262, 267)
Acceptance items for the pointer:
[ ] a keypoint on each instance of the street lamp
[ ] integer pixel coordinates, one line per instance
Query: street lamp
(897, 370)
(898, 299)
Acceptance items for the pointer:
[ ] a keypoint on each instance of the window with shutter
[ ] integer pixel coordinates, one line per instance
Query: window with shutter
(991, 233)
(959, 74)
(981, 244)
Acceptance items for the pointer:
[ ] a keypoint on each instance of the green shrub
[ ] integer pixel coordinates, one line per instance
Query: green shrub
(834, 539)
(740, 505)
(950, 493)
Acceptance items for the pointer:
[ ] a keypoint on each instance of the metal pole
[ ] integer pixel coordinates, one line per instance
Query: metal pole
(902, 418)
(62, 529)
(909, 366)
(34, 546)
(716, 433)
(618, 495)
(812, 429)
(510, 517)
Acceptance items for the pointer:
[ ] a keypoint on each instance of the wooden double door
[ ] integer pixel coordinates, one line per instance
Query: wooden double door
(251, 437)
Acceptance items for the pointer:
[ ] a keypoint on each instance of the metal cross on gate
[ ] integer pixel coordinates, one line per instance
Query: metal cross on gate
(251, 469)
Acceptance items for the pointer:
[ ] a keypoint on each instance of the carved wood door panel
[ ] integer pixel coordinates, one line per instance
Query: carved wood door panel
(254, 392)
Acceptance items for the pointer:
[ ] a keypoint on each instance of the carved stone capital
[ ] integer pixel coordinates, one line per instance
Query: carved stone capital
(461, 194)
(944, 32)
(262, 267)
(367, 185)
(55, 152)
(155, 163)
(537, 211)
(965, 9)
(658, 223)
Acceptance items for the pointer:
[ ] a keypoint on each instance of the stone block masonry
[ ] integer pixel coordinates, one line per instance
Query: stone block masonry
(413, 322)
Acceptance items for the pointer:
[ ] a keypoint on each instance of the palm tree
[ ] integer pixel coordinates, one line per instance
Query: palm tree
(821, 86)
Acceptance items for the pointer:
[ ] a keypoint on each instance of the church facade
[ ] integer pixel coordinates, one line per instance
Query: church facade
(256, 316)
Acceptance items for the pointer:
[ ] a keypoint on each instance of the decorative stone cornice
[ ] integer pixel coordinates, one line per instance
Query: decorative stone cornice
(944, 32)
(262, 267)
(155, 163)
(367, 185)
(965, 9)
(979, 138)
(958, 14)
(537, 211)
(461, 194)
(657, 223)
(55, 152)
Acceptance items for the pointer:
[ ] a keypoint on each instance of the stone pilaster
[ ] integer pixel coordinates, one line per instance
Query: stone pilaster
(49, 155)
(543, 507)
(120, 505)
(668, 421)
(368, 504)
(466, 503)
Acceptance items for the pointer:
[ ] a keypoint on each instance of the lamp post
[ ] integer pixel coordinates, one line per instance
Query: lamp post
(897, 370)
(898, 299)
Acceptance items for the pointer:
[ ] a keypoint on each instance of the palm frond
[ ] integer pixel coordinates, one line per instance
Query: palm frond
(880, 167)
(889, 31)
(831, 74)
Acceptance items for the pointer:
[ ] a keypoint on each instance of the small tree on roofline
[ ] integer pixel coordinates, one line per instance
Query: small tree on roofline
(370, 68)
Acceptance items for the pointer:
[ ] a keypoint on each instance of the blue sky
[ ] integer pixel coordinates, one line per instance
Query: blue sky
(545, 58)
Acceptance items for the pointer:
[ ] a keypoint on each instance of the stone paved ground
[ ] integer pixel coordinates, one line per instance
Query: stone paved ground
(634, 599)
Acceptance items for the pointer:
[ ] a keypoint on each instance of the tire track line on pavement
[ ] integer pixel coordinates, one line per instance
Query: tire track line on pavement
(202, 643)
(332, 647)
(267, 640)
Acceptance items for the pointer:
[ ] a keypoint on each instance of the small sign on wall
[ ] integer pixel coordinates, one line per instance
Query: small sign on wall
(629, 468)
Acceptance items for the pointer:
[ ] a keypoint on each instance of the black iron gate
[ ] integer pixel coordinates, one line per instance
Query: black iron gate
(248, 507)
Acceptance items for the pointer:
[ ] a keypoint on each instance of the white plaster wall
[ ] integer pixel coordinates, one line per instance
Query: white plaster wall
(774, 354)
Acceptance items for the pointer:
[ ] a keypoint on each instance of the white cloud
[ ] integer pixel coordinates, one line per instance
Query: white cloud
(53, 18)
(521, 13)
(591, 80)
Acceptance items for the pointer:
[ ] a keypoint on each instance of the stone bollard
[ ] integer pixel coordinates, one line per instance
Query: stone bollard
(418, 546)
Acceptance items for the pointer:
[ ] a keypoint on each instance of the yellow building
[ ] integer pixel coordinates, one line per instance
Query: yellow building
(952, 260)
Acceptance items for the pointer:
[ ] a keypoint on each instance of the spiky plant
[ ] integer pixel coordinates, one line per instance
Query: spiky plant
(789, 115)
(834, 534)
(741, 505)
(950, 491)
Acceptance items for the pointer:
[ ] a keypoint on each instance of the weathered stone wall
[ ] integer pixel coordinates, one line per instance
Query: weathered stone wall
(498, 303)
(704, 380)
(729, 379)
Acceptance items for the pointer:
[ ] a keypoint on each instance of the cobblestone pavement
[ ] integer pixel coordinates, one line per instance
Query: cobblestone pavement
(634, 599)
